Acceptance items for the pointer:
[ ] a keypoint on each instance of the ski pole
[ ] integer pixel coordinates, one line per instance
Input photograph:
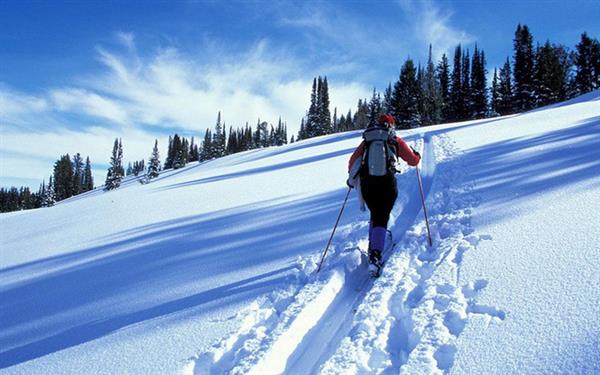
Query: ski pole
(424, 208)
(334, 228)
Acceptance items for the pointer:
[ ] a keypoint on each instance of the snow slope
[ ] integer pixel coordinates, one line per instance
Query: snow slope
(210, 269)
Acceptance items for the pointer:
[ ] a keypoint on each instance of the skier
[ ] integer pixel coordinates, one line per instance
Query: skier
(372, 169)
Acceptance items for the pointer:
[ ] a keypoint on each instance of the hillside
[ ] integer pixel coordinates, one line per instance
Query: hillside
(210, 268)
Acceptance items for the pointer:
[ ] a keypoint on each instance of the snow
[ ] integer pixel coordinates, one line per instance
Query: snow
(210, 269)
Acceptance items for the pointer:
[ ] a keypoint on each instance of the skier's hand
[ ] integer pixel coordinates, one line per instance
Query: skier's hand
(349, 184)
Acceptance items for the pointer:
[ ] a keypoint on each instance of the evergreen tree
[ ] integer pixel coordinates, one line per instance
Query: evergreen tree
(495, 94)
(324, 113)
(432, 96)
(505, 105)
(129, 171)
(194, 153)
(479, 105)
(170, 154)
(88, 180)
(524, 97)
(154, 162)
(466, 87)
(443, 76)
(77, 174)
(587, 64)
(406, 97)
(115, 171)
(218, 141)
(551, 77)
(375, 108)
(457, 102)
(335, 122)
(207, 152)
(262, 134)
(50, 197)
(312, 118)
(63, 178)
(178, 154)
(387, 100)
(361, 117)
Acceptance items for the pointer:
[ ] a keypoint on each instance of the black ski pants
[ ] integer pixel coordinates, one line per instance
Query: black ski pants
(380, 193)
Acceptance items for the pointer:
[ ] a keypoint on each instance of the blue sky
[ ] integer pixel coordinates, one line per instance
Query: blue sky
(74, 75)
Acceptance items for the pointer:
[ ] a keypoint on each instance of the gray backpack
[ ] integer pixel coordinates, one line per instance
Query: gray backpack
(380, 152)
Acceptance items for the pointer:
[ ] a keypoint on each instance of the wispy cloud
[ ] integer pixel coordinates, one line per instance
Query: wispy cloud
(433, 25)
(134, 97)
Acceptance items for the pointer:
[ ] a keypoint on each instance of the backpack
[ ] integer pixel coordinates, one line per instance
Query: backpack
(380, 152)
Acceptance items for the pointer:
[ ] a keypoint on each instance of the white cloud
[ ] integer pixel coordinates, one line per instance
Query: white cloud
(16, 108)
(168, 90)
(432, 25)
(83, 101)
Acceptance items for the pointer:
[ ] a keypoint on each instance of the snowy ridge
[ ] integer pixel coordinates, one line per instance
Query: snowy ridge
(368, 326)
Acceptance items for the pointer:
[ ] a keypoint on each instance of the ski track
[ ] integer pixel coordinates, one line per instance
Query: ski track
(343, 321)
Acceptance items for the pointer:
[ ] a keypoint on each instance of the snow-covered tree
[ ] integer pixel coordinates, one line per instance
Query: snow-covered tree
(154, 162)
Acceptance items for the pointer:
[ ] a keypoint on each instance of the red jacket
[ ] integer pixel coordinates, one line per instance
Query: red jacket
(403, 151)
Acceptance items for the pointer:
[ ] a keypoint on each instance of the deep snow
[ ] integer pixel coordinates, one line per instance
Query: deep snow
(210, 269)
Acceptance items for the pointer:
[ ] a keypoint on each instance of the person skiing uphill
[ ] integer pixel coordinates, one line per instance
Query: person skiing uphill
(372, 169)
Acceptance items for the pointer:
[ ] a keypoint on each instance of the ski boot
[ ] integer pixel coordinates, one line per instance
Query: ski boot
(375, 263)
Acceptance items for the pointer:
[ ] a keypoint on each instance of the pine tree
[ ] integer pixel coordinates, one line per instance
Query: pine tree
(115, 171)
(154, 162)
(587, 64)
(207, 152)
(443, 76)
(387, 99)
(524, 98)
(335, 122)
(361, 117)
(457, 102)
(479, 105)
(406, 97)
(375, 108)
(324, 113)
(50, 197)
(466, 87)
(178, 157)
(505, 104)
(218, 141)
(432, 96)
(129, 171)
(88, 179)
(63, 178)
(495, 95)
(194, 154)
(551, 77)
(77, 174)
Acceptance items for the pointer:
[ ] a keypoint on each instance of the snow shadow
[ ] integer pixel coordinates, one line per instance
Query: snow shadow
(168, 269)
(265, 169)
(524, 167)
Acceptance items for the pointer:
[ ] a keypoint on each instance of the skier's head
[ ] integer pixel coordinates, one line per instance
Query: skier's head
(386, 120)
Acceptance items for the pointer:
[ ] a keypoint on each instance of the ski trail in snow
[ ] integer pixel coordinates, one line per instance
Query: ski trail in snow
(410, 320)
(321, 311)
(336, 324)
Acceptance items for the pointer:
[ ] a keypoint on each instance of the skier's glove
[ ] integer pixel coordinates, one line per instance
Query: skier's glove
(415, 152)
(349, 184)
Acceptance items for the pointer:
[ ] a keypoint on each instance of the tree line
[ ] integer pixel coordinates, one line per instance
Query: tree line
(182, 151)
(70, 176)
(422, 95)
(440, 92)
